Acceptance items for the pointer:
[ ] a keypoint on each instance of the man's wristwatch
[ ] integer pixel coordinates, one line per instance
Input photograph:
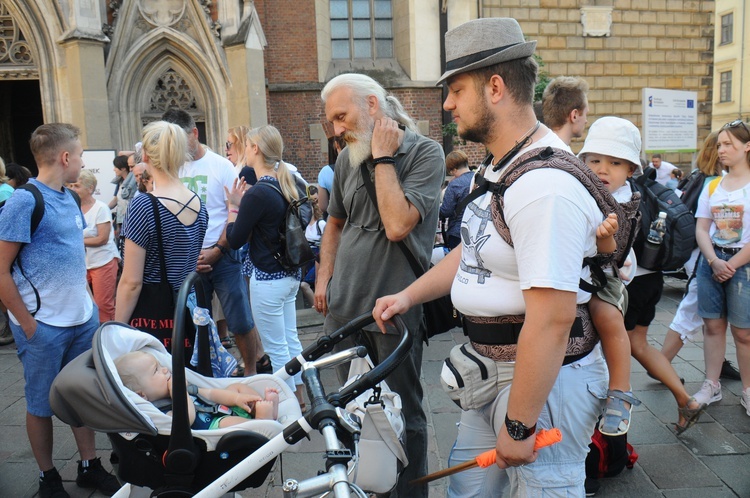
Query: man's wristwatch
(517, 430)
(221, 248)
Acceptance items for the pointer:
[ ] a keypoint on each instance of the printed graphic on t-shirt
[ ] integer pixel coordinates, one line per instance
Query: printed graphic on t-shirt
(471, 260)
(197, 184)
(728, 220)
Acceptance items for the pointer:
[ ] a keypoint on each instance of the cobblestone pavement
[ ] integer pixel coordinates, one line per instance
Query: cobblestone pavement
(710, 460)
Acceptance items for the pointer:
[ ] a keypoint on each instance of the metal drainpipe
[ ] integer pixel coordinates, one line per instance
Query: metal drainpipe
(447, 118)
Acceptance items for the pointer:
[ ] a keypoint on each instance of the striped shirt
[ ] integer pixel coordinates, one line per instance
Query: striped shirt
(182, 243)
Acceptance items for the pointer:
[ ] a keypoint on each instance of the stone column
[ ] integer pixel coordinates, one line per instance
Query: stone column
(246, 96)
(87, 104)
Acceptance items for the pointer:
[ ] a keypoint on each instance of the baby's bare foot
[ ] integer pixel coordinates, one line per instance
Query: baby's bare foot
(264, 410)
(272, 395)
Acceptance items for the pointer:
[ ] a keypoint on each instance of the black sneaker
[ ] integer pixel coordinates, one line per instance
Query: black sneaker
(51, 486)
(591, 486)
(728, 371)
(95, 476)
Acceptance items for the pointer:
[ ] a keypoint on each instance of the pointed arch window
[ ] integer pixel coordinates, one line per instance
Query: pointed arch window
(14, 49)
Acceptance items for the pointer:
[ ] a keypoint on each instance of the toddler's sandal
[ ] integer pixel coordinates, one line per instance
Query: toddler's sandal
(616, 418)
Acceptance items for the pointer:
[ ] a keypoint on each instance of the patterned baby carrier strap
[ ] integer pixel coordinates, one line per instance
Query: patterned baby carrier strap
(583, 336)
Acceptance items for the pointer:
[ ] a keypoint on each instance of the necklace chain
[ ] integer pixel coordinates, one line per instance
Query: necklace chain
(521, 143)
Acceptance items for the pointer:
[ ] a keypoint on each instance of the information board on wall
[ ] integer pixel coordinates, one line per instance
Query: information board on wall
(670, 120)
(99, 162)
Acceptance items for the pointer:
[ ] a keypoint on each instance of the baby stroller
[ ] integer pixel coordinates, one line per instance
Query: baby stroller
(162, 453)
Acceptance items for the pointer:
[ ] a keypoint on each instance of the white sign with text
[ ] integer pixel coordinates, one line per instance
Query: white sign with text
(670, 120)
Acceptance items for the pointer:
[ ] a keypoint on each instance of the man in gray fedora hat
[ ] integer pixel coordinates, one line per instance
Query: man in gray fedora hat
(515, 277)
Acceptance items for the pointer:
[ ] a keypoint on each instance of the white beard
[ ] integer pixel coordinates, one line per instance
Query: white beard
(360, 146)
(359, 151)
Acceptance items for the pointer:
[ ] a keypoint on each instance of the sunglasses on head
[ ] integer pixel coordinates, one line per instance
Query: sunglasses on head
(735, 124)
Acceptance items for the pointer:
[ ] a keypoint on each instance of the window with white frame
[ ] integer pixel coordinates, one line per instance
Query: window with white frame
(725, 86)
(361, 29)
(727, 28)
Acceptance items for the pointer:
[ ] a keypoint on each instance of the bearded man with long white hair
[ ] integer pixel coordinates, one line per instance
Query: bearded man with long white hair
(360, 254)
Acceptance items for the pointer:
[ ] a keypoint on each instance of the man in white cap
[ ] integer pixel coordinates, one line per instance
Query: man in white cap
(521, 302)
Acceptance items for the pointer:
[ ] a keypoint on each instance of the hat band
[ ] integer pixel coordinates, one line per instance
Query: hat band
(471, 59)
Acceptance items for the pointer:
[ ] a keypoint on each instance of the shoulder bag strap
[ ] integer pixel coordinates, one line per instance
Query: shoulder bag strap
(415, 266)
(159, 241)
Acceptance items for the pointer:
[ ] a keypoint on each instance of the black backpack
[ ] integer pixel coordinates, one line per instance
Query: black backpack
(36, 217)
(294, 250)
(691, 188)
(679, 239)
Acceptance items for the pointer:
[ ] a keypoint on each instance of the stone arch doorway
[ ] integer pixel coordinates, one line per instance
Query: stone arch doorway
(20, 93)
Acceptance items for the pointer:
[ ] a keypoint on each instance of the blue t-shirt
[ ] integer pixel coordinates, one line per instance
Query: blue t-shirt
(53, 259)
(5, 191)
(325, 178)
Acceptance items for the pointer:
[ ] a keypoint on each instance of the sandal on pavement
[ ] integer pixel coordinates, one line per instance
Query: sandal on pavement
(616, 418)
(691, 416)
(264, 365)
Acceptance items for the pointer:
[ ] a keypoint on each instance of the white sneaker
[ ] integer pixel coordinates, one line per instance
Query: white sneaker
(709, 393)
(745, 400)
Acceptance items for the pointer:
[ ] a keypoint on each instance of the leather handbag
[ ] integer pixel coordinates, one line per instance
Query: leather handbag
(154, 312)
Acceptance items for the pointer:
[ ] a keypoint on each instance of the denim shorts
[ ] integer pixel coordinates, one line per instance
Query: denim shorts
(46, 353)
(227, 281)
(730, 299)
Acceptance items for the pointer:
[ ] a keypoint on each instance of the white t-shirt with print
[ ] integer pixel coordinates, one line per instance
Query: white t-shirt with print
(730, 212)
(96, 257)
(553, 221)
(207, 177)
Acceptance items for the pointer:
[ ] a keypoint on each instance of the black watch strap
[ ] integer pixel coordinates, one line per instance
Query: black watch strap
(517, 430)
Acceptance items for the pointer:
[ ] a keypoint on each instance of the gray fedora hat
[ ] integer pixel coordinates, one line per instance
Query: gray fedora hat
(484, 42)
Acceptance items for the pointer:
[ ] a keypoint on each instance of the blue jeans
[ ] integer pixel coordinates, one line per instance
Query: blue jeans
(573, 406)
(276, 318)
(46, 353)
(730, 299)
(227, 281)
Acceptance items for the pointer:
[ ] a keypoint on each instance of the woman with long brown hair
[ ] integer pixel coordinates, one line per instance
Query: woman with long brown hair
(723, 233)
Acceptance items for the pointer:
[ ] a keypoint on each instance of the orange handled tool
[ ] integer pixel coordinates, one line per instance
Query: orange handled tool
(544, 437)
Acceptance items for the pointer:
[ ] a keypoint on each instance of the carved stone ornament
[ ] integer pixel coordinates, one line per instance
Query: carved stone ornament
(171, 91)
(14, 49)
(596, 21)
(162, 12)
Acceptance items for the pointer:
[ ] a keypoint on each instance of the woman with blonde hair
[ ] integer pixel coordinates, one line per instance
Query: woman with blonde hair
(257, 215)
(102, 256)
(235, 147)
(182, 217)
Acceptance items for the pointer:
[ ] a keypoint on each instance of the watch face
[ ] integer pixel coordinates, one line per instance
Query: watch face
(516, 430)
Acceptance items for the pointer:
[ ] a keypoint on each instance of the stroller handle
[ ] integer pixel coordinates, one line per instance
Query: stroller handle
(382, 370)
(182, 455)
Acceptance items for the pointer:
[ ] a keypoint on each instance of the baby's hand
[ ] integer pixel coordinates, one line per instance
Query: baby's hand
(608, 227)
(246, 401)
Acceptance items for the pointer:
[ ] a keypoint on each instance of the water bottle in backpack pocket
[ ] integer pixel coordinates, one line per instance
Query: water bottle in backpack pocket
(654, 242)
